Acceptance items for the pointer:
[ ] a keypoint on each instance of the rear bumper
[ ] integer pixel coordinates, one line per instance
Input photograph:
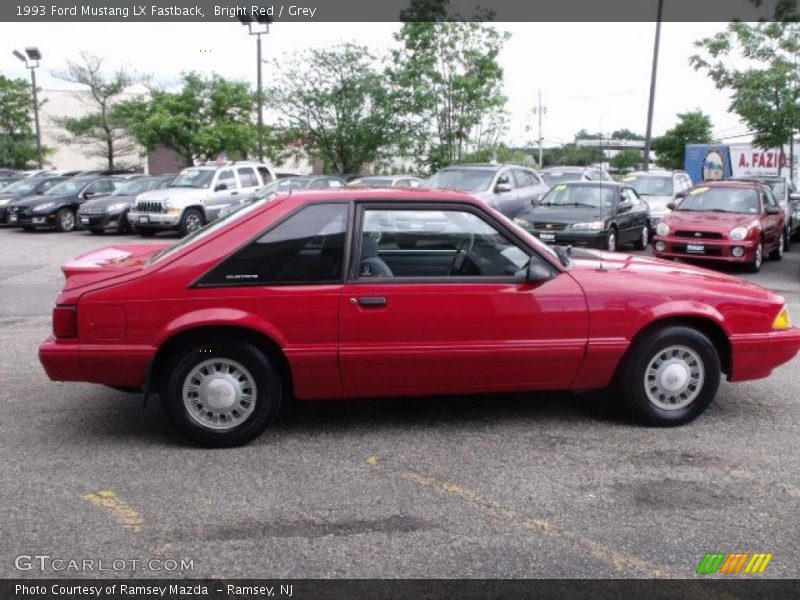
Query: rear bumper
(755, 355)
(716, 250)
(109, 364)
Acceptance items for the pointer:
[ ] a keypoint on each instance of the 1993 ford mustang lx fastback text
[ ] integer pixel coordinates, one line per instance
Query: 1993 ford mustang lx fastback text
(354, 293)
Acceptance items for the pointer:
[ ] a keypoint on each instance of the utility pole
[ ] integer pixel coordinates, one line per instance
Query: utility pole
(649, 135)
(257, 25)
(540, 110)
(32, 62)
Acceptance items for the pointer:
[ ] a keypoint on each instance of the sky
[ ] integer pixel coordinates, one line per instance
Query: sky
(593, 76)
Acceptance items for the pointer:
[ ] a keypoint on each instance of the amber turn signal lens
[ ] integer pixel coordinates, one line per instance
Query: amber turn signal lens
(782, 320)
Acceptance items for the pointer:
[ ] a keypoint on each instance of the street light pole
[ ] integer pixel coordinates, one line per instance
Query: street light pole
(31, 62)
(649, 135)
(540, 110)
(258, 26)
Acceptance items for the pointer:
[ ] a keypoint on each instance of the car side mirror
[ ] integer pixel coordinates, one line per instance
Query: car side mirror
(503, 187)
(88, 194)
(682, 194)
(536, 199)
(794, 197)
(537, 272)
(221, 187)
(672, 205)
(773, 210)
(624, 206)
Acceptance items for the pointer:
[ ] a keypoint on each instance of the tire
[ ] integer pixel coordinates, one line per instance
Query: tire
(683, 352)
(28, 228)
(644, 238)
(145, 232)
(192, 412)
(787, 238)
(777, 254)
(755, 266)
(97, 231)
(191, 221)
(123, 225)
(65, 220)
(612, 240)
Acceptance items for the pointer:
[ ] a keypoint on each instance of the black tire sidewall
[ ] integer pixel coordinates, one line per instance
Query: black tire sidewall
(269, 392)
(640, 354)
(59, 227)
(182, 227)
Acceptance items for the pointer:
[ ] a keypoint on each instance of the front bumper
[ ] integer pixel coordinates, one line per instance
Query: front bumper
(704, 249)
(589, 238)
(99, 221)
(153, 220)
(755, 355)
(32, 219)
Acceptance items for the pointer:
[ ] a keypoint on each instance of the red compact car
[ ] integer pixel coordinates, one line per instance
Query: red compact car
(369, 292)
(730, 221)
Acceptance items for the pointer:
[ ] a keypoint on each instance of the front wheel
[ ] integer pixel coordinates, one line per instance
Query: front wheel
(670, 376)
(221, 394)
(611, 240)
(755, 265)
(777, 254)
(191, 221)
(65, 220)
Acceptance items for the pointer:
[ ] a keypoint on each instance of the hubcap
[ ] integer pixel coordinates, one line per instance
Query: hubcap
(192, 223)
(645, 236)
(219, 394)
(612, 242)
(758, 255)
(674, 377)
(67, 220)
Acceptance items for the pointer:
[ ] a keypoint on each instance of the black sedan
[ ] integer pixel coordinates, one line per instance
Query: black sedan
(111, 212)
(589, 214)
(56, 208)
(31, 186)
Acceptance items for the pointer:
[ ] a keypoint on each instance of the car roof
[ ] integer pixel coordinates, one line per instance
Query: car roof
(595, 183)
(753, 185)
(653, 172)
(415, 195)
(569, 168)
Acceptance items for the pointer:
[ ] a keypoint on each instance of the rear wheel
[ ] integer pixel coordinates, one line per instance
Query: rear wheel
(758, 258)
(65, 220)
(191, 221)
(28, 228)
(611, 240)
(221, 394)
(97, 231)
(146, 232)
(787, 238)
(644, 238)
(670, 376)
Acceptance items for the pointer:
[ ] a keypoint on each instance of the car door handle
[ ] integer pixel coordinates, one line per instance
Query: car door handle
(371, 301)
(234, 193)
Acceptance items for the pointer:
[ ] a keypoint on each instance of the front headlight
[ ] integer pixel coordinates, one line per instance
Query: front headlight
(782, 320)
(522, 222)
(167, 204)
(45, 206)
(662, 229)
(595, 225)
(116, 207)
(738, 234)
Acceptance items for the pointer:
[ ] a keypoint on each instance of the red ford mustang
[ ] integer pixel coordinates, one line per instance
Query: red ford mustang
(387, 293)
(730, 221)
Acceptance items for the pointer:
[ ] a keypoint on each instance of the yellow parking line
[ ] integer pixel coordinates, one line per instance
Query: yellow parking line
(620, 562)
(120, 510)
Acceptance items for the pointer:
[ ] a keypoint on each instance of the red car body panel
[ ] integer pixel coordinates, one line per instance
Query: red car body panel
(684, 225)
(431, 337)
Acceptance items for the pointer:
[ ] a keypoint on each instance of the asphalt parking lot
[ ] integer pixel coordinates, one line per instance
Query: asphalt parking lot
(511, 486)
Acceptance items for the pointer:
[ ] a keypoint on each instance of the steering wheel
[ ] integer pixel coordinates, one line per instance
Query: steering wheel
(463, 250)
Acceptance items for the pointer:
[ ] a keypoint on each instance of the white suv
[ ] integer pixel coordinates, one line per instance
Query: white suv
(196, 197)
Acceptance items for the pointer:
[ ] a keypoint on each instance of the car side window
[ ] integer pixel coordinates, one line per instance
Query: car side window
(522, 178)
(247, 177)
(434, 244)
(308, 247)
(505, 177)
(265, 175)
(631, 195)
(769, 199)
(226, 177)
(318, 184)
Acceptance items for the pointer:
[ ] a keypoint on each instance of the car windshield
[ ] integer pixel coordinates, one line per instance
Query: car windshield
(71, 186)
(596, 196)
(463, 180)
(198, 235)
(376, 181)
(193, 178)
(22, 187)
(135, 187)
(651, 185)
(778, 187)
(721, 199)
(552, 178)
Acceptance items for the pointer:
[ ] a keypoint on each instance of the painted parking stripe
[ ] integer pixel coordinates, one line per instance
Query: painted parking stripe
(120, 510)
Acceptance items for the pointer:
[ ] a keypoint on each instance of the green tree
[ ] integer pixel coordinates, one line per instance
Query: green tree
(626, 160)
(626, 134)
(453, 80)
(17, 138)
(691, 128)
(765, 87)
(208, 116)
(101, 132)
(334, 104)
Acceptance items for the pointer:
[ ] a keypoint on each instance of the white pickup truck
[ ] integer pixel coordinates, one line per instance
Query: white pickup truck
(196, 197)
